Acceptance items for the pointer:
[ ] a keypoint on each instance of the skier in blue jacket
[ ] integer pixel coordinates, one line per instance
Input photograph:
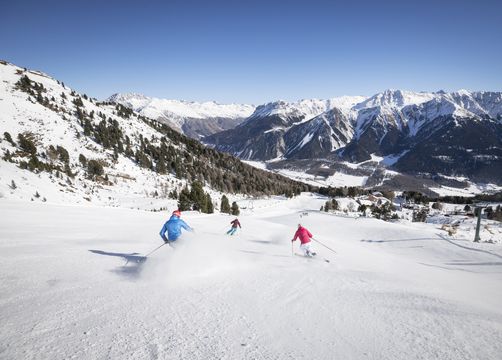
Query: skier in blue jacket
(173, 227)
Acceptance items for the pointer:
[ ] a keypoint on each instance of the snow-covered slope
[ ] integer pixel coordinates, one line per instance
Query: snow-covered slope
(181, 114)
(71, 287)
(22, 114)
(62, 147)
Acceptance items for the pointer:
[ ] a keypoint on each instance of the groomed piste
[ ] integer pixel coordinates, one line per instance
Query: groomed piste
(73, 285)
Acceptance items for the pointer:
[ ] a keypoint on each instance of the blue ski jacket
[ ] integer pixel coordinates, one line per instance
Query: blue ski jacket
(173, 227)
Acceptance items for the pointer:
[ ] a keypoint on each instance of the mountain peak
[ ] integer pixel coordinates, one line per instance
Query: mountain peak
(118, 97)
(463, 92)
(392, 98)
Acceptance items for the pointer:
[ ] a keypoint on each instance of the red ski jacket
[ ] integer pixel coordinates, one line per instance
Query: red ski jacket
(303, 234)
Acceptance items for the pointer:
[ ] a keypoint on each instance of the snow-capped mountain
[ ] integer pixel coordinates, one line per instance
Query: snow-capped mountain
(306, 108)
(482, 103)
(321, 136)
(261, 136)
(60, 146)
(387, 124)
(398, 118)
(194, 119)
(394, 99)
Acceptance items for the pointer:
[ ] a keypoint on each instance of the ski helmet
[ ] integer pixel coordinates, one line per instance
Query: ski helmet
(177, 213)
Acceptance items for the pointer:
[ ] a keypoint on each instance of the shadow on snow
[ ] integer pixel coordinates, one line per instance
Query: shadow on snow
(133, 266)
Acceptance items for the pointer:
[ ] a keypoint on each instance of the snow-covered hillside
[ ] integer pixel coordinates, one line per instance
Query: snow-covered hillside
(182, 115)
(59, 146)
(71, 286)
(127, 185)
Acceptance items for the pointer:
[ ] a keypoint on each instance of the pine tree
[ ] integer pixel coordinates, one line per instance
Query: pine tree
(78, 102)
(184, 202)
(362, 208)
(161, 166)
(9, 138)
(24, 83)
(26, 144)
(82, 159)
(209, 204)
(63, 154)
(67, 170)
(173, 194)
(94, 168)
(334, 204)
(198, 197)
(235, 209)
(225, 205)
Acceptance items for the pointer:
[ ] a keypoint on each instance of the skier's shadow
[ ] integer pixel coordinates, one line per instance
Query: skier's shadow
(132, 267)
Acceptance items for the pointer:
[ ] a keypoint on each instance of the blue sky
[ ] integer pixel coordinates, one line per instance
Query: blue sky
(257, 51)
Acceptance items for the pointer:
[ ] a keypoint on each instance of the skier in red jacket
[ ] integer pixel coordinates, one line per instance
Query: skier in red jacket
(233, 229)
(304, 235)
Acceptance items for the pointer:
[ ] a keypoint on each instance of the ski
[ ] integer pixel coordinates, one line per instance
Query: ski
(313, 257)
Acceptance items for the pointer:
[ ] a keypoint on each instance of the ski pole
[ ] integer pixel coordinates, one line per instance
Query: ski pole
(157, 248)
(327, 247)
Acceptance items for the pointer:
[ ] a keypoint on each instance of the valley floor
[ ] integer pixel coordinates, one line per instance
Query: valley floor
(71, 287)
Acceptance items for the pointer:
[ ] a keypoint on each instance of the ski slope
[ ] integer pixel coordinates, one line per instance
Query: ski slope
(70, 287)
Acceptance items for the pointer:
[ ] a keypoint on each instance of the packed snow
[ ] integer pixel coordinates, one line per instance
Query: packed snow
(72, 287)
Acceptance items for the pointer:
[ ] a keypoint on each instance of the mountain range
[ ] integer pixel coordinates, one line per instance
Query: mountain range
(194, 119)
(392, 140)
(419, 134)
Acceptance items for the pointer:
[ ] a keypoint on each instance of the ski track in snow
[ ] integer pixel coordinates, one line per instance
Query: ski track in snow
(392, 291)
